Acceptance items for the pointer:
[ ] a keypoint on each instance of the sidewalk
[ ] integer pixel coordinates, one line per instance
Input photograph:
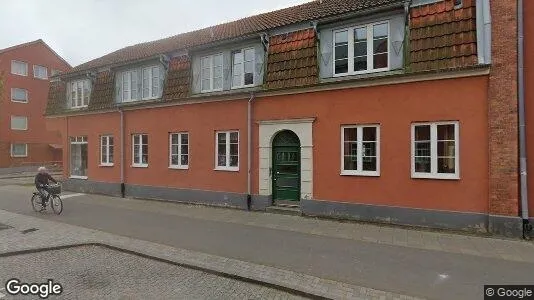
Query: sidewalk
(52, 235)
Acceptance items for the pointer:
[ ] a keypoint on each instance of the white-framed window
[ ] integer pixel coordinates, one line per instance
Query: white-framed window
(435, 150)
(179, 150)
(106, 150)
(361, 49)
(243, 62)
(19, 95)
(78, 157)
(19, 150)
(151, 82)
(360, 150)
(54, 72)
(140, 84)
(19, 123)
(19, 68)
(79, 93)
(40, 72)
(129, 86)
(211, 72)
(227, 150)
(140, 150)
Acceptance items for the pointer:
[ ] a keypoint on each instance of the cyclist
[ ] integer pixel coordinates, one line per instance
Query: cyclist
(42, 180)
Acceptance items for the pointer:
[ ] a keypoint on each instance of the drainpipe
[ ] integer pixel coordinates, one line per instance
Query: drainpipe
(249, 149)
(123, 187)
(527, 227)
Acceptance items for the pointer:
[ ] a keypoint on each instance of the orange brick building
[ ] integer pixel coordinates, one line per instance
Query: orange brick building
(385, 111)
(24, 84)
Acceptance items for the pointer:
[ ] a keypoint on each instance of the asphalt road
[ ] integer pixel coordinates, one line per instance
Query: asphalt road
(411, 271)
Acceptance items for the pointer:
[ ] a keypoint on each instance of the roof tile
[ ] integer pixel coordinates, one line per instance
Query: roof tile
(246, 26)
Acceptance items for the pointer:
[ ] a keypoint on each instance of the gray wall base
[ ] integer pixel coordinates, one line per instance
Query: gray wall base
(260, 202)
(506, 226)
(92, 187)
(396, 215)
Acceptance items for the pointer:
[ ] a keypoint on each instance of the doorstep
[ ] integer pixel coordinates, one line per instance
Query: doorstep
(285, 208)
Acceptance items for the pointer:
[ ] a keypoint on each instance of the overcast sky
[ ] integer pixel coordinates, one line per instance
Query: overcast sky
(82, 30)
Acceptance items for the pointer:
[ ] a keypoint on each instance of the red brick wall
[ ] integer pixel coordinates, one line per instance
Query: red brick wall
(503, 117)
(529, 95)
(37, 136)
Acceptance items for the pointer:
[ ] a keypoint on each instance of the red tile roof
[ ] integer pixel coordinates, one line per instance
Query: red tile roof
(306, 12)
(292, 60)
(178, 79)
(443, 37)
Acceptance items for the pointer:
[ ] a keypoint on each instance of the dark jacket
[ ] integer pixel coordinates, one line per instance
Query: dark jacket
(43, 179)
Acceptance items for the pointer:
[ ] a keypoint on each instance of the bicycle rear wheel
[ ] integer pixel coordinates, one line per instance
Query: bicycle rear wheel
(37, 203)
(56, 204)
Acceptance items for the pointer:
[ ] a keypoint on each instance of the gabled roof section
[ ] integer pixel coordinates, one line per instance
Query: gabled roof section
(305, 12)
(33, 43)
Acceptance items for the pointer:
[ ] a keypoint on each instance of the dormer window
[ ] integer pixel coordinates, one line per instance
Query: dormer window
(243, 68)
(140, 84)
(361, 49)
(79, 92)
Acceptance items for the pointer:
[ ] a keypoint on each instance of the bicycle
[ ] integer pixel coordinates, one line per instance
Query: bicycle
(52, 196)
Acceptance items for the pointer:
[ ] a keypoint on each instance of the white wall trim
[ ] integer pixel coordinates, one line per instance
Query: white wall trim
(303, 128)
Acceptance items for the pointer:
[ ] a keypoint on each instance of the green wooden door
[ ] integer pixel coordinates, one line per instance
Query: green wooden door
(286, 167)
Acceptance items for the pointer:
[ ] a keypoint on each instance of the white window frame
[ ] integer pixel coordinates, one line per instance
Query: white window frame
(150, 87)
(76, 83)
(54, 72)
(19, 101)
(434, 151)
(359, 153)
(13, 62)
(227, 167)
(211, 67)
(129, 73)
(37, 67)
(107, 138)
(242, 83)
(370, 46)
(179, 165)
(20, 117)
(25, 151)
(77, 140)
(134, 164)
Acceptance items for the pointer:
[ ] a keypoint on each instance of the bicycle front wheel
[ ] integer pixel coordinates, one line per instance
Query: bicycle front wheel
(37, 203)
(57, 204)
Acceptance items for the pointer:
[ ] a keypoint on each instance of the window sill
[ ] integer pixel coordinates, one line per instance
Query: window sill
(226, 169)
(14, 129)
(106, 165)
(19, 156)
(243, 87)
(78, 177)
(211, 91)
(40, 78)
(78, 107)
(375, 74)
(179, 167)
(436, 176)
(140, 166)
(19, 74)
(19, 101)
(365, 174)
(361, 73)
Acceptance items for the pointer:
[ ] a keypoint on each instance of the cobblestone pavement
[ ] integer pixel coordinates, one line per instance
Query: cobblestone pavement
(92, 272)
